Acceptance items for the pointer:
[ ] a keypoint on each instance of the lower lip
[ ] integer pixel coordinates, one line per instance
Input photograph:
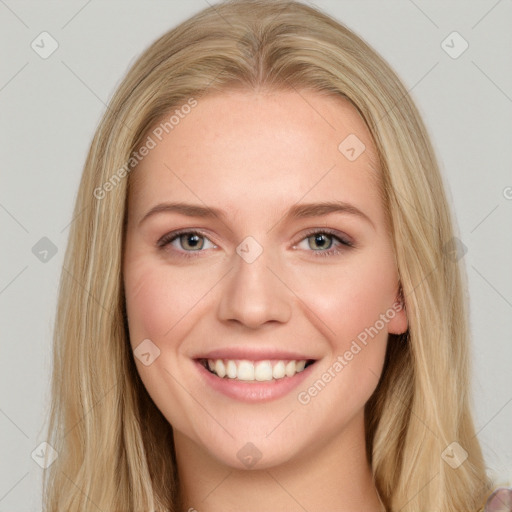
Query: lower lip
(253, 391)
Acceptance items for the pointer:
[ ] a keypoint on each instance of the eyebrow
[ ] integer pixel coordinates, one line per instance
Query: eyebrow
(299, 211)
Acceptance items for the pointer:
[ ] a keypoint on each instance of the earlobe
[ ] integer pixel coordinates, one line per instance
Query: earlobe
(398, 323)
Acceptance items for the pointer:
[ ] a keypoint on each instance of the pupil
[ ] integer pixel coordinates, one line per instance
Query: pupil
(195, 241)
(320, 239)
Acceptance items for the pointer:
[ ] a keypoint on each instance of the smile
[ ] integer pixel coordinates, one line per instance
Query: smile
(253, 380)
(246, 370)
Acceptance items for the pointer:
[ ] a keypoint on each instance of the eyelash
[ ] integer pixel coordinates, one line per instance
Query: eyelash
(170, 237)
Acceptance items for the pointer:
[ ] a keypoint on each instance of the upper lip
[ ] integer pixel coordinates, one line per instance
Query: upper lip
(254, 354)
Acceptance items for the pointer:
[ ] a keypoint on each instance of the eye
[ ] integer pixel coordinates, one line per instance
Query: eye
(329, 244)
(190, 241)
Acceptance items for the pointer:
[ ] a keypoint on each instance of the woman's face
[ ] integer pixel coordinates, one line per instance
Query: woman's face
(267, 280)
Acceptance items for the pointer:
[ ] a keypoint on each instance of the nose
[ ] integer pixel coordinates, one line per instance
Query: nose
(254, 293)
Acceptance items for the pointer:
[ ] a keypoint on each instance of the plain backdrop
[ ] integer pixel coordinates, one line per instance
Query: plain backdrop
(51, 106)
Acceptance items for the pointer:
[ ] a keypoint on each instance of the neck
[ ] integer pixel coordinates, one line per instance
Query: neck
(333, 475)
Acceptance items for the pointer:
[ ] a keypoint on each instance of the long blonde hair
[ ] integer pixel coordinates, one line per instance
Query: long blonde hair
(115, 448)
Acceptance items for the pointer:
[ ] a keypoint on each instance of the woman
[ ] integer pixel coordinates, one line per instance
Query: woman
(262, 373)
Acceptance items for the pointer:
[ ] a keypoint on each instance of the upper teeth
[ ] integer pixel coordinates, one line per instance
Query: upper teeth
(255, 370)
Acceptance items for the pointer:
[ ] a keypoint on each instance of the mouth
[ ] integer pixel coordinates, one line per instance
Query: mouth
(255, 371)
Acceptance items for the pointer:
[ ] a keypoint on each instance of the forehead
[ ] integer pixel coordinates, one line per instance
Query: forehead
(254, 152)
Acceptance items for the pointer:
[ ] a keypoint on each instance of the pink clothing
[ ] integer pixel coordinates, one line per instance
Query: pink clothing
(499, 501)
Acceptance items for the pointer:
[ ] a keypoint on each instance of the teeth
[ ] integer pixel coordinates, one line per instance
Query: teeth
(245, 370)
(263, 370)
(255, 370)
(220, 369)
(279, 370)
(231, 370)
(290, 369)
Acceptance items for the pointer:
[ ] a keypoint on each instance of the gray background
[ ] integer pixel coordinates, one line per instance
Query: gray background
(51, 107)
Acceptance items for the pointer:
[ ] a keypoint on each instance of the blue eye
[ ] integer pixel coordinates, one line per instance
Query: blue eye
(192, 241)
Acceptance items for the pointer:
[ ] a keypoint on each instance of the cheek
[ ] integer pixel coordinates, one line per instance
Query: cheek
(148, 304)
(158, 298)
(348, 302)
(349, 299)
(160, 302)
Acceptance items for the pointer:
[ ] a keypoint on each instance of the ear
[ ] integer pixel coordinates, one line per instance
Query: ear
(397, 314)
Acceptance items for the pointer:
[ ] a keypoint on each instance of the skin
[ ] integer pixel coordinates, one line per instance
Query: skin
(254, 155)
